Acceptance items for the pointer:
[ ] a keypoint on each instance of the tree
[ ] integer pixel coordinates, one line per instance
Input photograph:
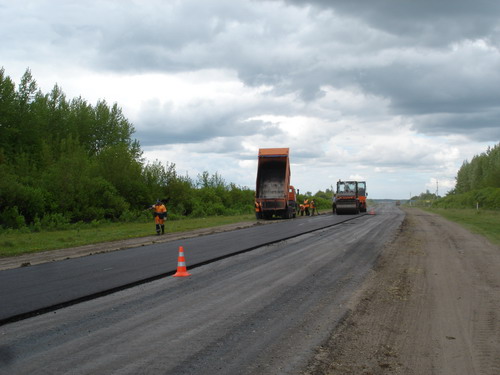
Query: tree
(483, 171)
(8, 130)
(65, 160)
(117, 165)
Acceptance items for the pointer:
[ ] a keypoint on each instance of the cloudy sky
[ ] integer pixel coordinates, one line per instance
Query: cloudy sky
(396, 92)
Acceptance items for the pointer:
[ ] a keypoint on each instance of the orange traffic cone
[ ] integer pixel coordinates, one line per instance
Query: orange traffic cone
(181, 265)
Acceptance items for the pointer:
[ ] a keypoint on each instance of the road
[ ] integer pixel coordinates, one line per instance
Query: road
(45, 286)
(260, 312)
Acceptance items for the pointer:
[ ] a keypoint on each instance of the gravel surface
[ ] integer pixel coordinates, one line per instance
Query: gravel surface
(431, 306)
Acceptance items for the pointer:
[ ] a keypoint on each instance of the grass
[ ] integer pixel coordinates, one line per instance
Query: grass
(19, 242)
(484, 222)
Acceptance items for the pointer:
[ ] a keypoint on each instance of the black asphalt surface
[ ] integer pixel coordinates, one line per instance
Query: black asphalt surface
(265, 311)
(38, 288)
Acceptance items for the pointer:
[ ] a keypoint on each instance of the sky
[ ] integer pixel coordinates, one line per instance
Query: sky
(395, 92)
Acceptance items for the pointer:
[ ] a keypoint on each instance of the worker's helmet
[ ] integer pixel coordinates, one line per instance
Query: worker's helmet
(158, 202)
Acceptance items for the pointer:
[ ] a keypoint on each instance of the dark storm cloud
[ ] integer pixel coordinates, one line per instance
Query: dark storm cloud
(462, 123)
(448, 65)
(167, 131)
(174, 37)
(434, 86)
(435, 62)
(430, 22)
(163, 126)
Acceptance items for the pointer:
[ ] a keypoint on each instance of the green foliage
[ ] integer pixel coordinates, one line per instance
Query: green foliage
(54, 221)
(322, 199)
(64, 162)
(426, 199)
(117, 165)
(477, 183)
(482, 172)
(12, 218)
(29, 201)
(486, 198)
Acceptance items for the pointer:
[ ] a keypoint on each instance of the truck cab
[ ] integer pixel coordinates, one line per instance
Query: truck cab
(350, 197)
(346, 199)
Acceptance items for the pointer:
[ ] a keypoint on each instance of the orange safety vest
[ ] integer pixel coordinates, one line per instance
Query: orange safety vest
(257, 207)
(160, 213)
(306, 203)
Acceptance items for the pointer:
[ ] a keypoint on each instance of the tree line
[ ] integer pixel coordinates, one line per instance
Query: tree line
(477, 183)
(66, 161)
(483, 171)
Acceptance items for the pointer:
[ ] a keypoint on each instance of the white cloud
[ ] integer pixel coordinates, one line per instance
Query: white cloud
(399, 94)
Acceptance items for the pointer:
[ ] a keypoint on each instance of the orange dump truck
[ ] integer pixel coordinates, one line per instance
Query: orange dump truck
(274, 196)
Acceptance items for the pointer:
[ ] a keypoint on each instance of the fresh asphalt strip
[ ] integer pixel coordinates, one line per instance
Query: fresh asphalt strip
(34, 290)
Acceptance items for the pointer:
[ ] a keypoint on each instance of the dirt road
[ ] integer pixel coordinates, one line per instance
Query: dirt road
(431, 306)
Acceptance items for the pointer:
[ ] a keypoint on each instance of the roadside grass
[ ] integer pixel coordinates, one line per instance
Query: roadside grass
(13, 243)
(484, 222)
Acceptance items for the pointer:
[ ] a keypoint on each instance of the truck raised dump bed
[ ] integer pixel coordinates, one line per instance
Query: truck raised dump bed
(274, 196)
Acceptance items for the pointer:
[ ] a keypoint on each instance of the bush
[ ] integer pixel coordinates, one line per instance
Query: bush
(29, 201)
(55, 221)
(128, 216)
(11, 218)
(174, 217)
(37, 225)
(487, 198)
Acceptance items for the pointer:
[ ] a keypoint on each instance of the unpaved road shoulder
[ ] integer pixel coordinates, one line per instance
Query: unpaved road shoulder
(431, 306)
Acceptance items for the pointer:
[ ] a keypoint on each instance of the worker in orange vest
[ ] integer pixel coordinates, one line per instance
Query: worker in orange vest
(160, 214)
(313, 208)
(258, 210)
(306, 206)
(301, 209)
